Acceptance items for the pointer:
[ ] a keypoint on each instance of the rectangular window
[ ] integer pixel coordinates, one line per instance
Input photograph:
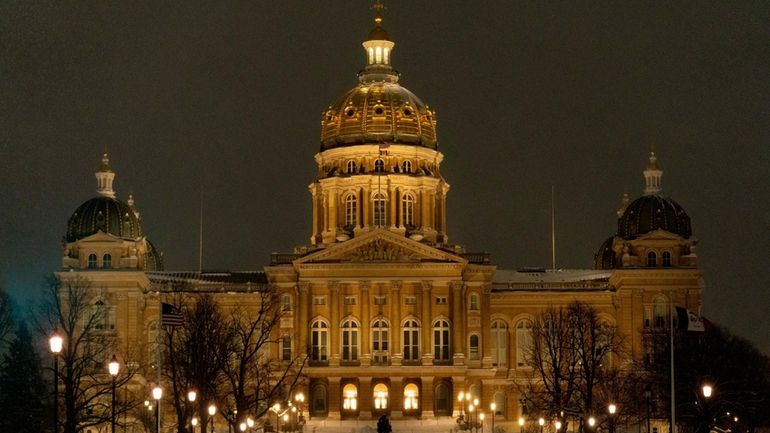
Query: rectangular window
(441, 300)
(286, 348)
(350, 300)
(410, 300)
(380, 300)
(319, 300)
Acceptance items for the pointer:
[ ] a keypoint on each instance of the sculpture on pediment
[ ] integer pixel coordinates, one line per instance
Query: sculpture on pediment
(380, 250)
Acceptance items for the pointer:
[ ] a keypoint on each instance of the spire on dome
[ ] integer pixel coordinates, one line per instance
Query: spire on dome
(104, 178)
(652, 176)
(378, 47)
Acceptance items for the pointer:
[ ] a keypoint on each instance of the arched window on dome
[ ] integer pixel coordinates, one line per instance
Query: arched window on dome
(319, 341)
(107, 261)
(407, 210)
(379, 166)
(350, 210)
(379, 207)
(349, 340)
(407, 166)
(441, 340)
(666, 259)
(92, 261)
(652, 259)
(351, 167)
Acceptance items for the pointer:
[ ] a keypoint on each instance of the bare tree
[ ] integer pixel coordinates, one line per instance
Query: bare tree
(70, 308)
(6, 318)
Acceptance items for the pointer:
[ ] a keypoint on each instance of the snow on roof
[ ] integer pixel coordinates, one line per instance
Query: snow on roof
(552, 279)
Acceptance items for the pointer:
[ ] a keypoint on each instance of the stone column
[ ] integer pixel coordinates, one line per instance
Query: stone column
(458, 323)
(395, 321)
(303, 316)
(334, 398)
(396, 397)
(365, 398)
(334, 326)
(366, 350)
(366, 217)
(458, 386)
(426, 397)
(427, 324)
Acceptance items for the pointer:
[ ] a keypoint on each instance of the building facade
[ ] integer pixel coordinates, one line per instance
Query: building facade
(395, 319)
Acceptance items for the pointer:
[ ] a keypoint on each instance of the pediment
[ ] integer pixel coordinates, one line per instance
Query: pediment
(380, 245)
(101, 236)
(659, 235)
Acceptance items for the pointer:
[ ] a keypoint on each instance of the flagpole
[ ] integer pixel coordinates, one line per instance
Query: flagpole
(671, 345)
(160, 357)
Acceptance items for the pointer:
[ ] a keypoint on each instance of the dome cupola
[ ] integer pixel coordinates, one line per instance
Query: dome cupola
(378, 109)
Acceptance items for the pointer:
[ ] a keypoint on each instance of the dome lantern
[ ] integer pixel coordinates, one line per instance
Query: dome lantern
(652, 176)
(104, 178)
(378, 48)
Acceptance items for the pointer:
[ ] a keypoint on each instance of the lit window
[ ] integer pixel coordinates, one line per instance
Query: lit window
(349, 340)
(350, 210)
(379, 210)
(499, 346)
(380, 341)
(411, 340)
(107, 261)
(286, 348)
(379, 166)
(474, 347)
(378, 54)
(474, 303)
(411, 397)
(652, 259)
(380, 396)
(441, 340)
(523, 342)
(286, 302)
(350, 398)
(92, 261)
(407, 166)
(666, 257)
(407, 210)
(351, 167)
(319, 336)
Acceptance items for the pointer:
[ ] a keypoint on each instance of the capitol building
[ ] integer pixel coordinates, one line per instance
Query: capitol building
(392, 316)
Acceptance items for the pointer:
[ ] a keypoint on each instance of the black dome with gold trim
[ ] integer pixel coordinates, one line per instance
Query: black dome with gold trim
(105, 214)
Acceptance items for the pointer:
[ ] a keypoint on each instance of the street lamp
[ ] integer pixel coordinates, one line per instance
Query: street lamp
(56, 343)
(157, 393)
(470, 416)
(242, 426)
(113, 367)
(612, 409)
(541, 422)
(591, 422)
(707, 390)
(481, 419)
(300, 398)
(557, 424)
(193, 423)
(493, 408)
(250, 422)
(521, 425)
(212, 412)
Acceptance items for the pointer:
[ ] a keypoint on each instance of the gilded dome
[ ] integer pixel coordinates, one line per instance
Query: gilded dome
(105, 214)
(378, 111)
(653, 212)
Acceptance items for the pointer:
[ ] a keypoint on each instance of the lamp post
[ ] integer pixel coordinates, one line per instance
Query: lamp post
(647, 397)
(541, 423)
(212, 412)
(471, 407)
(191, 397)
(557, 425)
(521, 425)
(460, 399)
(591, 422)
(481, 421)
(157, 393)
(56, 343)
(193, 422)
(113, 367)
(707, 391)
(493, 408)
(300, 399)
(612, 409)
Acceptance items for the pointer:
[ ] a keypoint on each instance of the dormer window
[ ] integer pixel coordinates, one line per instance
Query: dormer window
(407, 166)
(652, 259)
(92, 261)
(379, 166)
(107, 261)
(351, 168)
(666, 258)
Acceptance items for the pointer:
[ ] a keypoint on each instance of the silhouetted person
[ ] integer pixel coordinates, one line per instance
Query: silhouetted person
(383, 425)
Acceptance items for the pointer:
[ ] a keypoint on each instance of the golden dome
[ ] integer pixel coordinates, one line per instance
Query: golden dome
(378, 112)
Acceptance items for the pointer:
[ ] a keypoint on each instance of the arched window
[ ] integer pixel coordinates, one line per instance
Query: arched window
(379, 166)
(286, 302)
(443, 401)
(350, 210)
(411, 340)
(474, 302)
(499, 346)
(107, 261)
(660, 313)
(103, 318)
(666, 258)
(407, 210)
(350, 398)
(523, 342)
(441, 340)
(652, 259)
(380, 210)
(351, 168)
(380, 340)
(92, 261)
(407, 166)
(349, 340)
(319, 341)
(474, 347)
(318, 399)
(380, 397)
(411, 397)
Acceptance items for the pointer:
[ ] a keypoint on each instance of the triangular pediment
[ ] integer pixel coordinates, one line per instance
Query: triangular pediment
(380, 245)
(659, 234)
(101, 236)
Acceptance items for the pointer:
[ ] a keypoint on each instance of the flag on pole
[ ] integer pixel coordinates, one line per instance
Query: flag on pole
(170, 315)
(689, 321)
(384, 148)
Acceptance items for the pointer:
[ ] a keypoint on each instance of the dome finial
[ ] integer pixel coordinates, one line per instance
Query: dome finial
(378, 7)
(104, 178)
(652, 176)
(378, 47)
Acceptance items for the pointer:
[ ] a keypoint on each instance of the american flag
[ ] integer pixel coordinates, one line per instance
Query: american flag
(170, 315)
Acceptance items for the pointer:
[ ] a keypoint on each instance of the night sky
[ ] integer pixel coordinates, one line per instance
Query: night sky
(227, 96)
